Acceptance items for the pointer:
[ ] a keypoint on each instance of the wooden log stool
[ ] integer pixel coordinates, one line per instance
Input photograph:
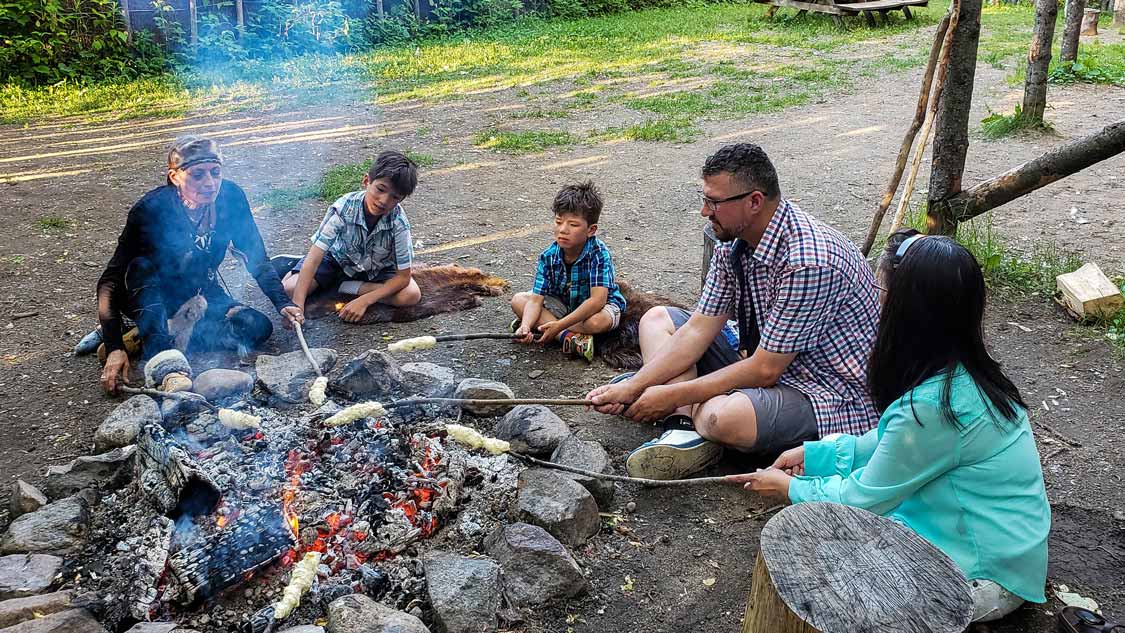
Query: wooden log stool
(830, 568)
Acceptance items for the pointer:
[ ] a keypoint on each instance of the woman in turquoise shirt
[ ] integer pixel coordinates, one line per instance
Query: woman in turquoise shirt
(953, 456)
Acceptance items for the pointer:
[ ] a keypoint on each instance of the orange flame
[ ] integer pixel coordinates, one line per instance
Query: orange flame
(339, 305)
(221, 521)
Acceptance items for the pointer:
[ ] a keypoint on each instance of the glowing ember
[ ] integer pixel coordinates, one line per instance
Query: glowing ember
(221, 521)
(339, 305)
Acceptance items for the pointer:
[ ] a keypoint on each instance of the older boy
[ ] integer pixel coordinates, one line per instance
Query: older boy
(363, 245)
(575, 295)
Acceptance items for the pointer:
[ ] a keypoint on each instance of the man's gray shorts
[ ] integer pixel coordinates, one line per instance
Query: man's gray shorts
(785, 415)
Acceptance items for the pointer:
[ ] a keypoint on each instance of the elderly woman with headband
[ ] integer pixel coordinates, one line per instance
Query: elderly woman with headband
(953, 456)
(164, 274)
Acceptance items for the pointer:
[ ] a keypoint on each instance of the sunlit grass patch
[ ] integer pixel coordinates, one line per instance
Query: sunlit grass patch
(521, 141)
(672, 130)
(997, 125)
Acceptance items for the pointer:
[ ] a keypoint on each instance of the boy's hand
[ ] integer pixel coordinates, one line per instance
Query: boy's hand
(523, 335)
(549, 331)
(291, 315)
(354, 310)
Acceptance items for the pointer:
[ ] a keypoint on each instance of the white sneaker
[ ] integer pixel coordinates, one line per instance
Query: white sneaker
(676, 454)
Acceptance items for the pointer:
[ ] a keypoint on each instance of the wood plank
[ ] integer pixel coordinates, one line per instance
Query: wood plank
(880, 5)
(808, 6)
(1087, 292)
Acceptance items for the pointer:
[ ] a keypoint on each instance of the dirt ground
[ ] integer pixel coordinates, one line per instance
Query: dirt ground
(489, 210)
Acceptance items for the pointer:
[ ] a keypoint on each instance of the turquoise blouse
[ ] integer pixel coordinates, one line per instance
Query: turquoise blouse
(974, 490)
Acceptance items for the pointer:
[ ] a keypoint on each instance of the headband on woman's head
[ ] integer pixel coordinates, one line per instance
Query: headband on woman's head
(193, 150)
(902, 248)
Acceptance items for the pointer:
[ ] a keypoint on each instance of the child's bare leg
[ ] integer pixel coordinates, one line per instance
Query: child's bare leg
(289, 284)
(600, 322)
(408, 296)
(519, 302)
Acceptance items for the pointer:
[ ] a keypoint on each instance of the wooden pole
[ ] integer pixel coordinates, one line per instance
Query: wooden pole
(908, 140)
(1072, 27)
(305, 348)
(193, 22)
(1039, 60)
(1119, 14)
(126, 18)
(1054, 165)
(240, 17)
(379, 7)
(951, 127)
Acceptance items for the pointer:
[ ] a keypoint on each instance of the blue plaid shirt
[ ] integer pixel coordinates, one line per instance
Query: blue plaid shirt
(594, 267)
(365, 253)
(813, 295)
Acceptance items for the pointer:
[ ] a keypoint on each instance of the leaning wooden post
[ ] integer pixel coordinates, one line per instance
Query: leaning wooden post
(826, 567)
(193, 22)
(951, 127)
(1072, 27)
(709, 241)
(1039, 60)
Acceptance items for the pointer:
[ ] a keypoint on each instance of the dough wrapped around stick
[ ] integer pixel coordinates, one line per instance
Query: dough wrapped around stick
(411, 344)
(473, 439)
(316, 392)
(304, 573)
(238, 420)
(355, 412)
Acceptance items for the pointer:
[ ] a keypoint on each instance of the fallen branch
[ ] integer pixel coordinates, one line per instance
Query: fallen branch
(482, 402)
(429, 342)
(24, 315)
(908, 140)
(1058, 435)
(727, 480)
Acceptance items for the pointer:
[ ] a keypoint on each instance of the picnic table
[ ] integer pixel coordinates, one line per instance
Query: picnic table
(840, 9)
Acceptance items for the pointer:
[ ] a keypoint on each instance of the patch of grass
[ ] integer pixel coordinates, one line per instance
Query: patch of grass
(283, 199)
(672, 130)
(1097, 63)
(521, 141)
(53, 223)
(540, 113)
(997, 125)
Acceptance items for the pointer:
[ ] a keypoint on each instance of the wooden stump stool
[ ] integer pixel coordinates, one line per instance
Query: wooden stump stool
(830, 568)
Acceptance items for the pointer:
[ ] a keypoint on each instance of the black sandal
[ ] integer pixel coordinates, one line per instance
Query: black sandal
(1079, 620)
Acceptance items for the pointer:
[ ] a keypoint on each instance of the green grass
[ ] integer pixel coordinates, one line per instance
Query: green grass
(1096, 63)
(671, 129)
(996, 125)
(334, 183)
(53, 223)
(521, 141)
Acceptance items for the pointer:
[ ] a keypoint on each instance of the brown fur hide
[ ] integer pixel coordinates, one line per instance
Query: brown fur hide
(621, 348)
(445, 288)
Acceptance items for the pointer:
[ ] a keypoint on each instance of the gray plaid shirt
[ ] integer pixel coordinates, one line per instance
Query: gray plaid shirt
(364, 253)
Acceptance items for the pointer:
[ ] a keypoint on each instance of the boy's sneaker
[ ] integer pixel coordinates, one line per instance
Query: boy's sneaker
(514, 325)
(579, 345)
(677, 453)
(284, 263)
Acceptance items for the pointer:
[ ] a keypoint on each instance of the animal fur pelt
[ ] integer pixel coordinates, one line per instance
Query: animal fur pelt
(621, 348)
(445, 288)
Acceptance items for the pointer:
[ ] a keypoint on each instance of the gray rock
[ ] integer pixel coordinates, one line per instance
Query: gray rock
(557, 504)
(532, 429)
(179, 411)
(25, 498)
(359, 614)
(222, 384)
(537, 568)
(373, 375)
(56, 528)
(23, 575)
(126, 421)
(305, 628)
(476, 388)
(17, 610)
(288, 376)
(155, 627)
(464, 592)
(70, 621)
(587, 455)
(108, 471)
(429, 379)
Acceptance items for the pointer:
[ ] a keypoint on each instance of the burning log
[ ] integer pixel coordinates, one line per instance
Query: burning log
(150, 565)
(445, 504)
(430, 342)
(205, 568)
(171, 478)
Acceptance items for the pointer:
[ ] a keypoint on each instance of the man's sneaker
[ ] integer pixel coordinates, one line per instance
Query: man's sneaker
(579, 345)
(284, 263)
(677, 453)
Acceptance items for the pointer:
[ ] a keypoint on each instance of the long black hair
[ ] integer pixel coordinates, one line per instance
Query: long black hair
(931, 323)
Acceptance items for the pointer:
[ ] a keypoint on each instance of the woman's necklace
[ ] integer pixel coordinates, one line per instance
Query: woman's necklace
(202, 218)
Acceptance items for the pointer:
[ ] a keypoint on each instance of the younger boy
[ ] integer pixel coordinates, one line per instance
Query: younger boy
(575, 295)
(363, 245)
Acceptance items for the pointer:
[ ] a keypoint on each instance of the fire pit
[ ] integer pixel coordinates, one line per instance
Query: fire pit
(215, 517)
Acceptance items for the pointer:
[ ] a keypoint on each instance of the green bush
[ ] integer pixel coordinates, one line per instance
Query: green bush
(47, 41)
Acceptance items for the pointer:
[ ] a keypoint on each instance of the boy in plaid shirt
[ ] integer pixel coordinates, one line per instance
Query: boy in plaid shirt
(363, 245)
(575, 294)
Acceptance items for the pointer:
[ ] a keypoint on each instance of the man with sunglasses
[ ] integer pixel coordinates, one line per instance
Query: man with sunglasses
(164, 273)
(806, 307)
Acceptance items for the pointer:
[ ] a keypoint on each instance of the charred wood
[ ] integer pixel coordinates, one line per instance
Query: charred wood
(171, 478)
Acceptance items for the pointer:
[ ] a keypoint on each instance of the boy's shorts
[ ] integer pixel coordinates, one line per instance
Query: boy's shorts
(558, 308)
(785, 416)
(329, 274)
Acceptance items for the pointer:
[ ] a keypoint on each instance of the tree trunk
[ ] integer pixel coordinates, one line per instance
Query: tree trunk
(379, 6)
(126, 18)
(1119, 14)
(1071, 30)
(1040, 172)
(1039, 60)
(765, 610)
(951, 135)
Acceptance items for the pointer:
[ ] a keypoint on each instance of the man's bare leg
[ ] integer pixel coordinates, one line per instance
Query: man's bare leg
(656, 329)
(729, 420)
